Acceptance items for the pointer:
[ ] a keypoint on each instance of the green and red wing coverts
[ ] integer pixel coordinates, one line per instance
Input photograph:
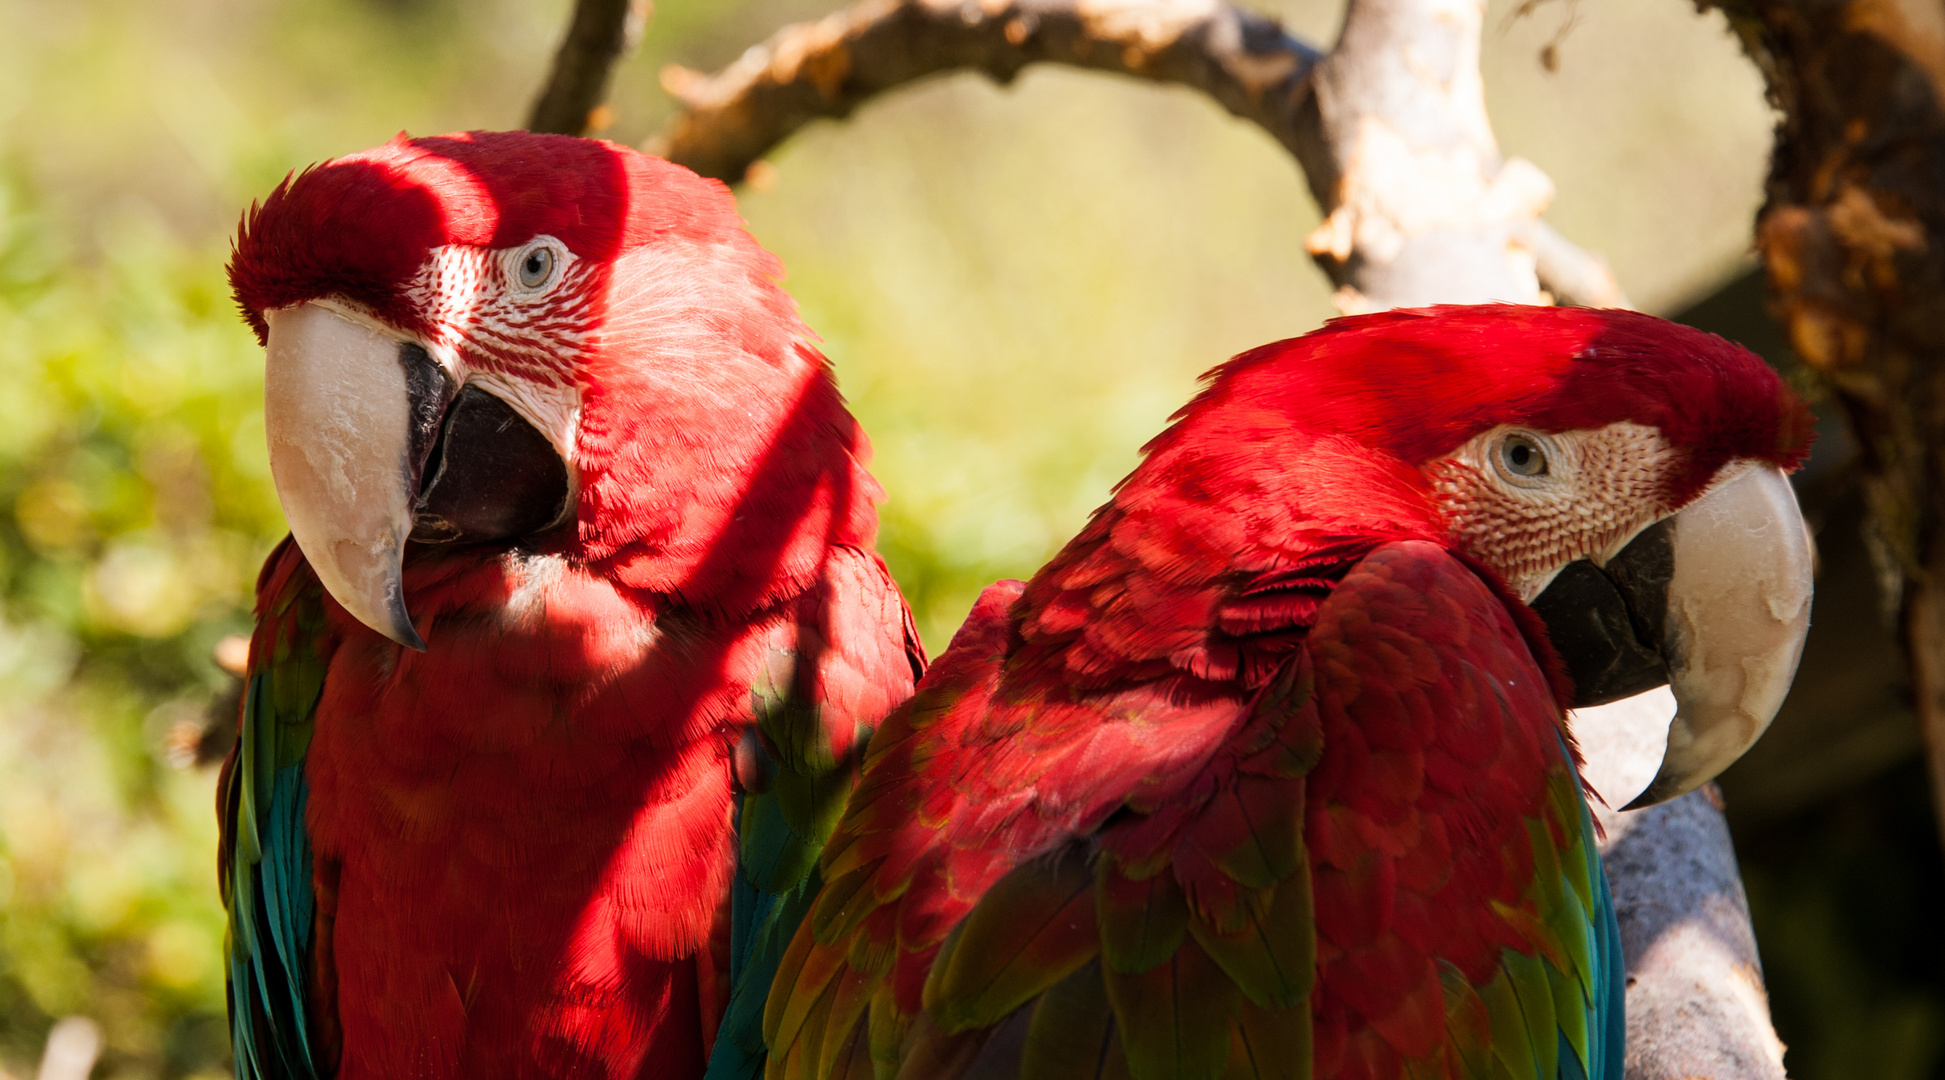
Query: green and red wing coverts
(1267, 773)
(578, 506)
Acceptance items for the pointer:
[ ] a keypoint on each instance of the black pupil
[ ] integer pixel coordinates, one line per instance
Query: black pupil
(534, 265)
(1520, 456)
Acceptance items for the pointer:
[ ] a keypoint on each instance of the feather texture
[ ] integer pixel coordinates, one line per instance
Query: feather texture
(1296, 906)
(265, 861)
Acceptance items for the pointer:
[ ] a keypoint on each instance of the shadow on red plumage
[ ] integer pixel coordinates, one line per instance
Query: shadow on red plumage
(511, 855)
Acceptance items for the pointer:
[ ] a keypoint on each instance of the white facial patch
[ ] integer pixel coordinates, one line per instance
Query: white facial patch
(1591, 492)
(478, 304)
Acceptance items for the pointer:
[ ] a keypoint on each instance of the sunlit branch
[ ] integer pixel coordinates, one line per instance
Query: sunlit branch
(828, 68)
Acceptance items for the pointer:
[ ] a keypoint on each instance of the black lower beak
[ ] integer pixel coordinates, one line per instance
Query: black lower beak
(489, 475)
(1606, 623)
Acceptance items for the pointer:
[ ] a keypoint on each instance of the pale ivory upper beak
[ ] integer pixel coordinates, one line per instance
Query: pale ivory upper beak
(1738, 610)
(336, 409)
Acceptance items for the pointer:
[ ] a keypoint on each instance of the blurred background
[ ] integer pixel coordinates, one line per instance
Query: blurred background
(1016, 285)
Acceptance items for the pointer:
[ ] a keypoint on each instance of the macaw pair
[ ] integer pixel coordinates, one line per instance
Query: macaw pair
(554, 757)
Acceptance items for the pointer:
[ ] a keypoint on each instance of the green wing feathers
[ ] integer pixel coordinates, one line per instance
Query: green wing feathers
(265, 859)
(828, 677)
(1176, 943)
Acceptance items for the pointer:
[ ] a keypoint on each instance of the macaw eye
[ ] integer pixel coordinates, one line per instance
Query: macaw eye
(1520, 455)
(534, 269)
(536, 266)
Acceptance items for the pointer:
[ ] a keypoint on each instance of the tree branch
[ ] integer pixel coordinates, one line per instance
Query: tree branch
(1422, 207)
(601, 32)
(1696, 1002)
(828, 68)
(1573, 275)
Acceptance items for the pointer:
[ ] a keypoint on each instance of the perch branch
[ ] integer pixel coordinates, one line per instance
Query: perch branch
(600, 33)
(1696, 1002)
(828, 68)
(1421, 206)
(1572, 274)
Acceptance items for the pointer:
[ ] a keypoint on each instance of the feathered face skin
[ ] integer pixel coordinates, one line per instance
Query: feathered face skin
(1623, 474)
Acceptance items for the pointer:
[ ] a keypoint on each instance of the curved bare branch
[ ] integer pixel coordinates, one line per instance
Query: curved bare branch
(828, 68)
(1244, 60)
(600, 33)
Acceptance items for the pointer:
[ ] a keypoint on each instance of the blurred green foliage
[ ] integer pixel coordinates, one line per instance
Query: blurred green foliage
(1016, 286)
(131, 458)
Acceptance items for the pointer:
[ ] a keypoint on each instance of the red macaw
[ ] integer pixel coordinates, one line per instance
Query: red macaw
(574, 501)
(1267, 774)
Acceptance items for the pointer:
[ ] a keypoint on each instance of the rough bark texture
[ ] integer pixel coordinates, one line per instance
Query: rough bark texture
(1393, 137)
(601, 32)
(1696, 1003)
(1850, 237)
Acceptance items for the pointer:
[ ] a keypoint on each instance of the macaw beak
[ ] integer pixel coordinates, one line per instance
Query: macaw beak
(1714, 602)
(373, 443)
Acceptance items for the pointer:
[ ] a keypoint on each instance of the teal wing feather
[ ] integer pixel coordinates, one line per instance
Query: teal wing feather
(853, 655)
(1608, 1032)
(1552, 1008)
(265, 858)
(1586, 1016)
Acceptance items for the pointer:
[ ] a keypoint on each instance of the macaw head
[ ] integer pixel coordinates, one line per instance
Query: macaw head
(1622, 474)
(531, 340)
